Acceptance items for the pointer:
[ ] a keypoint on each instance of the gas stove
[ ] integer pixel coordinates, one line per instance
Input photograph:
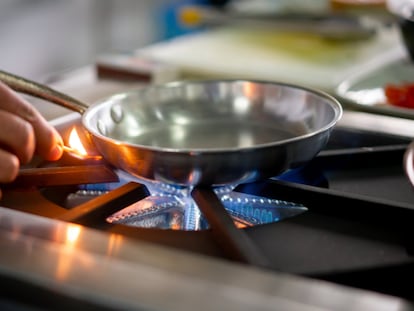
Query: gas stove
(335, 234)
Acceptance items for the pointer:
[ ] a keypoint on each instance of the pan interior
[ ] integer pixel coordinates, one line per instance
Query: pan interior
(211, 115)
(205, 134)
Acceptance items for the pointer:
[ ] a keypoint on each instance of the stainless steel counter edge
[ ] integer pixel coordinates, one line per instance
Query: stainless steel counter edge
(114, 272)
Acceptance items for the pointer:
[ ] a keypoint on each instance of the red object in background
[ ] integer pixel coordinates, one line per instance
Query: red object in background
(401, 95)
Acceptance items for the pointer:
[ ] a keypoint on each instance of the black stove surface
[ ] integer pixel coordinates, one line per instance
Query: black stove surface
(357, 230)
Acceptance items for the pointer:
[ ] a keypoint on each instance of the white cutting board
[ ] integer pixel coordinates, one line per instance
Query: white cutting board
(258, 54)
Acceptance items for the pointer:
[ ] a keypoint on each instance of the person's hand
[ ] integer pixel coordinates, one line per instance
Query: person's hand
(23, 133)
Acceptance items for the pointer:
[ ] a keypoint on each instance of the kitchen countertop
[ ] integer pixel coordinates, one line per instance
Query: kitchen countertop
(264, 54)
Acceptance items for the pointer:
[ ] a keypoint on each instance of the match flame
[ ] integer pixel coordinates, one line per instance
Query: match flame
(77, 149)
(76, 144)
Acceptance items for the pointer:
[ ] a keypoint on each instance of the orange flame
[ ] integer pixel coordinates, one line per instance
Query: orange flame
(76, 144)
(76, 147)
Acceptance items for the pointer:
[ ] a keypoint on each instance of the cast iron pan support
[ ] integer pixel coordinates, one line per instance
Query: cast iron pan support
(235, 242)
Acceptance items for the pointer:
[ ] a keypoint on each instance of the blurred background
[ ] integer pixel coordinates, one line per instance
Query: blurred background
(43, 37)
(39, 37)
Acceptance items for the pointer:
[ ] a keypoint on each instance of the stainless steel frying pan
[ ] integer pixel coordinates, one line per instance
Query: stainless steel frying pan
(203, 132)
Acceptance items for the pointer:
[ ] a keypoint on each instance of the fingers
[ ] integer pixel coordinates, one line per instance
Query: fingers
(16, 137)
(46, 141)
(9, 166)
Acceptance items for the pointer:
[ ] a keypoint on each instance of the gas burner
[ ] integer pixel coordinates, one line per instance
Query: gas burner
(165, 207)
(172, 207)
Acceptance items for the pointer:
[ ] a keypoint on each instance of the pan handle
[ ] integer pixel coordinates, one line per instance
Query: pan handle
(42, 91)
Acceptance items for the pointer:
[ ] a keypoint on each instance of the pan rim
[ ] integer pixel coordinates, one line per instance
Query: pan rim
(333, 103)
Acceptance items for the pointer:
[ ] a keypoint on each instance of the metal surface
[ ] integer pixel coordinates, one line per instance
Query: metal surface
(408, 163)
(51, 259)
(33, 88)
(365, 89)
(233, 241)
(205, 132)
